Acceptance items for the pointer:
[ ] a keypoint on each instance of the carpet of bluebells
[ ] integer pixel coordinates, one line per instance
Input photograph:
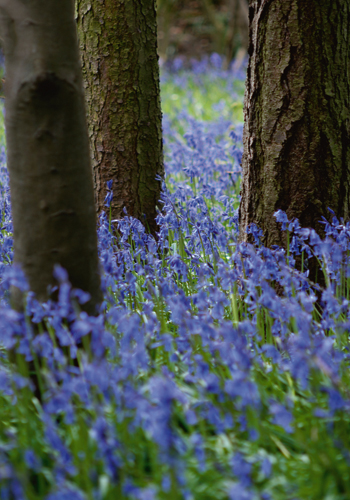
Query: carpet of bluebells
(227, 370)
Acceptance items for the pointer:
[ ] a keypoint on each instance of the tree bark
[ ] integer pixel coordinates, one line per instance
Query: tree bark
(297, 122)
(48, 160)
(118, 42)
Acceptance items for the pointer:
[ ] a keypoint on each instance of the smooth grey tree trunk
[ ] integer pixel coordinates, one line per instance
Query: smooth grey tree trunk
(47, 146)
(297, 114)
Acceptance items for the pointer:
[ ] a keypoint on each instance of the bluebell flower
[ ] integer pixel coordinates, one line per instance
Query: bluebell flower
(335, 400)
(148, 493)
(166, 483)
(242, 469)
(216, 60)
(266, 467)
(282, 417)
(60, 274)
(239, 492)
(198, 444)
(14, 276)
(67, 493)
(80, 295)
(108, 198)
(32, 461)
(281, 216)
(246, 390)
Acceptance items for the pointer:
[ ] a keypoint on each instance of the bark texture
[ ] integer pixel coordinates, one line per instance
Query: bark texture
(297, 122)
(118, 41)
(48, 149)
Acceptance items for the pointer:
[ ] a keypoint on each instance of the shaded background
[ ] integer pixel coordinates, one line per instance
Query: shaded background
(195, 28)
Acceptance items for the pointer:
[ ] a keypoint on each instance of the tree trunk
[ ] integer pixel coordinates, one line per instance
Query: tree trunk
(297, 122)
(48, 151)
(118, 41)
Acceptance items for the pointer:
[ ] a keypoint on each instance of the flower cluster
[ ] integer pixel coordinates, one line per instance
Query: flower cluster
(215, 369)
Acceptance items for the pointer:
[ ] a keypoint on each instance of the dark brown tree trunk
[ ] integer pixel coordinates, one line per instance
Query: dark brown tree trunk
(297, 114)
(48, 151)
(118, 41)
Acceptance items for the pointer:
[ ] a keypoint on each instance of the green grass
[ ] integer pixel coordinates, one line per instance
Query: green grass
(205, 97)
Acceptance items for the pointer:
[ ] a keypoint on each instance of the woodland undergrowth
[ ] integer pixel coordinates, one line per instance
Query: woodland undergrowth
(227, 370)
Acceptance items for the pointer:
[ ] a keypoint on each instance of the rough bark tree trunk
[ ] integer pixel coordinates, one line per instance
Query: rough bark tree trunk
(297, 122)
(118, 42)
(48, 160)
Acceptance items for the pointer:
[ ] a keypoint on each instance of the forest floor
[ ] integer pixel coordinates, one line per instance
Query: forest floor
(215, 387)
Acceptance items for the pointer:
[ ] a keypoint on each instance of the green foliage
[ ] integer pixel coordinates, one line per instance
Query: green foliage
(308, 461)
(206, 97)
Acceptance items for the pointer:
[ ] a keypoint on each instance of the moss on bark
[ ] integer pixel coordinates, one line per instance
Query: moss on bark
(118, 41)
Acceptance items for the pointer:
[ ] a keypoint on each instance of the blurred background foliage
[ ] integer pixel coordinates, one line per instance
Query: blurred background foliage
(191, 29)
